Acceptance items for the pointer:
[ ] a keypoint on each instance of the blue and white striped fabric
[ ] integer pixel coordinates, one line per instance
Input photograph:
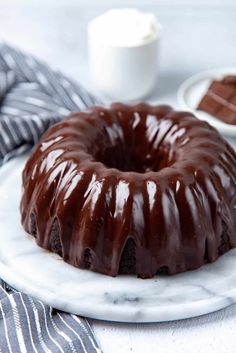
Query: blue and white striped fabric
(33, 97)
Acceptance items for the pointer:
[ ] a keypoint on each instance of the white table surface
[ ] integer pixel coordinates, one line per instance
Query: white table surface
(197, 35)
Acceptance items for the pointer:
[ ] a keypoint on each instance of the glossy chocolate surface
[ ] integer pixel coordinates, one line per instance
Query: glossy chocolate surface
(132, 189)
(220, 99)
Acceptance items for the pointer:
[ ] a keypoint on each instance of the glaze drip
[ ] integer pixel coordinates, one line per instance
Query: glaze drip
(132, 189)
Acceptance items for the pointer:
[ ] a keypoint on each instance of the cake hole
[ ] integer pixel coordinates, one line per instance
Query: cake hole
(224, 239)
(126, 159)
(131, 151)
(163, 270)
(56, 245)
(33, 225)
(128, 258)
(87, 258)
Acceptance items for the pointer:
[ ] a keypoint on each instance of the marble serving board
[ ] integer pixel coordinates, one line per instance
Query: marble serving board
(45, 276)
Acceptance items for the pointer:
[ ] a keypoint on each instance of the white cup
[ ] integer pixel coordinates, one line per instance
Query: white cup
(123, 72)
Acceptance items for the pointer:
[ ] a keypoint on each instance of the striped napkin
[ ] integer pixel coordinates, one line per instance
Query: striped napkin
(33, 97)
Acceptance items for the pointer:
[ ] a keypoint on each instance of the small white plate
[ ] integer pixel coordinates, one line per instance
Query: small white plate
(45, 276)
(193, 89)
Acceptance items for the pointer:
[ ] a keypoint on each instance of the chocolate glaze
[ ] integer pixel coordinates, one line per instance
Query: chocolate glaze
(220, 99)
(138, 189)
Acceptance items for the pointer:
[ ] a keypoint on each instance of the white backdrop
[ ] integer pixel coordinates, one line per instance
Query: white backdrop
(126, 3)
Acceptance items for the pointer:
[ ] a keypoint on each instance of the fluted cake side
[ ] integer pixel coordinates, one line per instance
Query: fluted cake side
(132, 189)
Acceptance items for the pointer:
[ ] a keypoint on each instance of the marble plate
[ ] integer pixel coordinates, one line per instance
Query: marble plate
(193, 89)
(45, 276)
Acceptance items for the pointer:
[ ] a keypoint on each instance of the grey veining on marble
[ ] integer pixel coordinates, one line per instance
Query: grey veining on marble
(125, 298)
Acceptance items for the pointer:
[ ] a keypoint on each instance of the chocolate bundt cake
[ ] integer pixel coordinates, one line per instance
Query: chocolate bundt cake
(132, 189)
